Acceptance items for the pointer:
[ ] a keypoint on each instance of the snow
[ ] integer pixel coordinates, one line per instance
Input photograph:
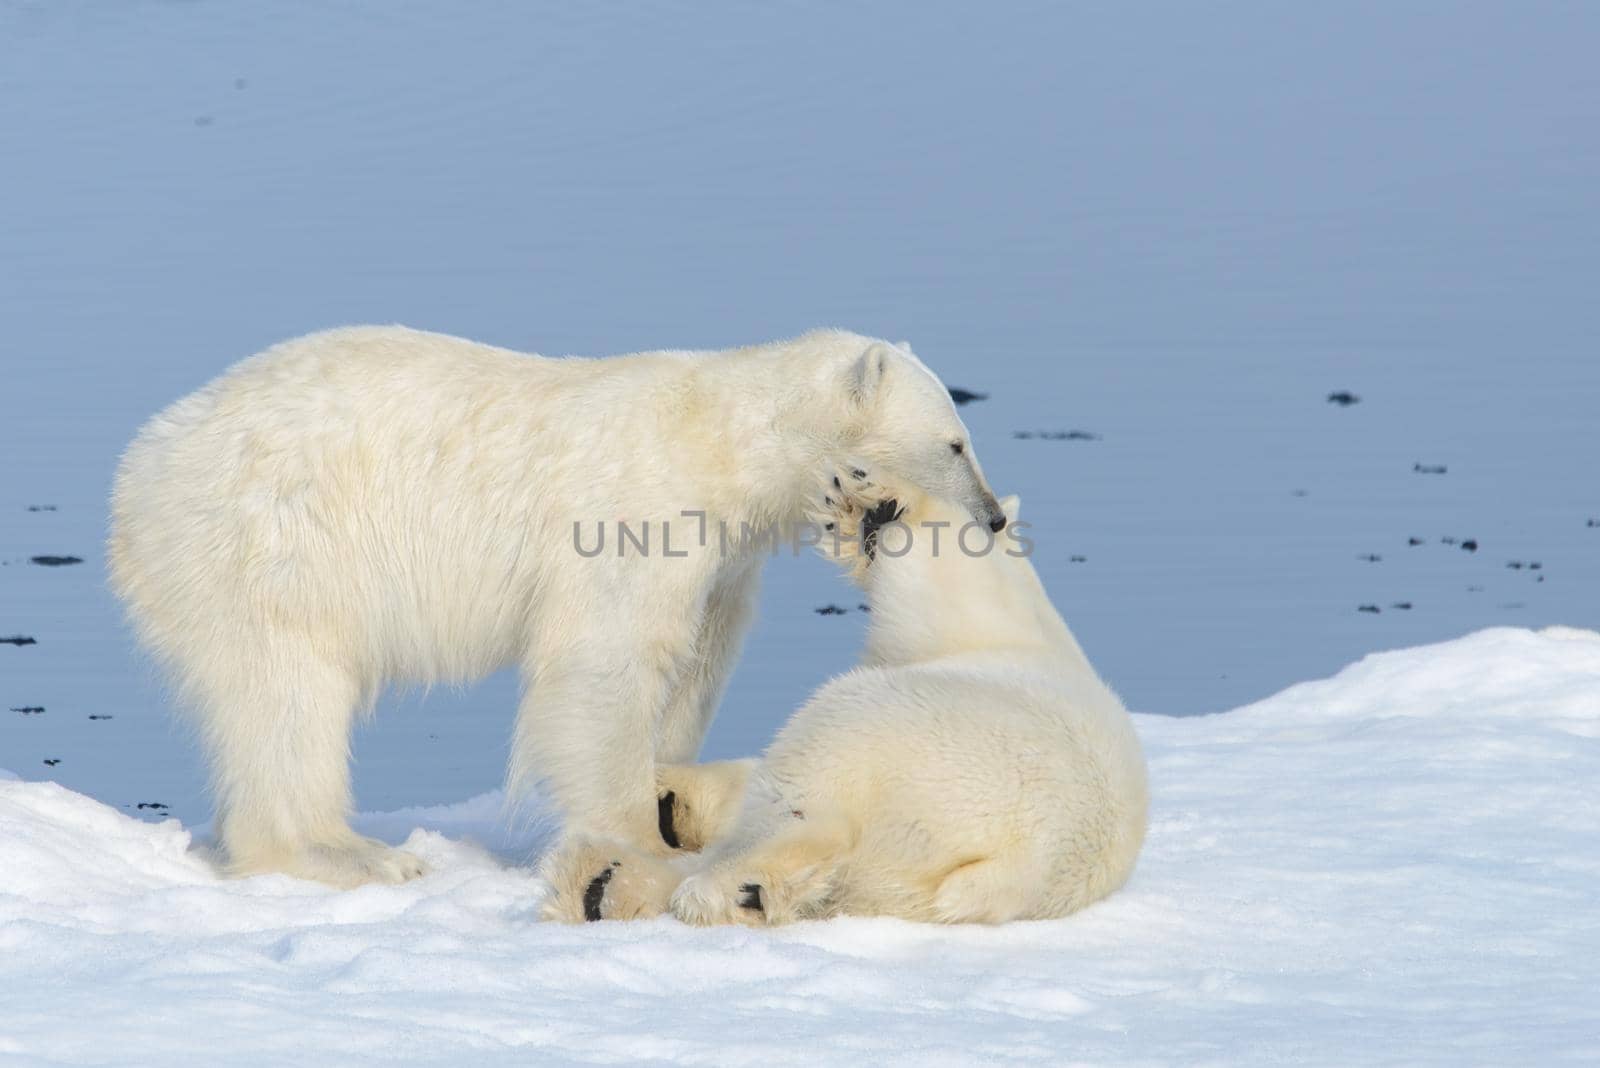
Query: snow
(1394, 864)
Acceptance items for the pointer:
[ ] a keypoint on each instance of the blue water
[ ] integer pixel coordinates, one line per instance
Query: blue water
(1178, 227)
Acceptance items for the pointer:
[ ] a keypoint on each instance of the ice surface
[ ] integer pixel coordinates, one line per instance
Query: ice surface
(1177, 227)
(1393, 865)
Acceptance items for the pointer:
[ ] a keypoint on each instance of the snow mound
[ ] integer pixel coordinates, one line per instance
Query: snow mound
(1398, 863)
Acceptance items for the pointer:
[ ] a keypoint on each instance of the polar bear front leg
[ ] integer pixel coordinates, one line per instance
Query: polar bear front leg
(718, 638)
(585, 735)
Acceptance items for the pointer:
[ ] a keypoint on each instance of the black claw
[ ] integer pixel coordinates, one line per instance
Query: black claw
(858, 473)
(752, 897)
(881, 514)
(669, 833)
(595, 893)
(836, 483)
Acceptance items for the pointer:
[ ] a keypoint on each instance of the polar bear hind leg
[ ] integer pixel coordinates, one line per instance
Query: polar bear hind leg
(276, 722)
(994, 889)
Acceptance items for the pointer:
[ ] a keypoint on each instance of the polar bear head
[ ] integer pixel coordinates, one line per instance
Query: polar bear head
(938, 583)
(900, 422)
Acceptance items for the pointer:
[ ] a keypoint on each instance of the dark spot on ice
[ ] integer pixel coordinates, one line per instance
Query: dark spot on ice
(1474, 589)
(751, 898)
(1429, 469)
(1536, 565)
(1343, 398)
(204, 120)
(1056, 435)
(595, 893)
(55, 561)
(1593, 523)
(831, 610)
(18, 640)
(1297, 493)
(240, 83)
(963, 396)
(1374, 609)
(864, 607)
(669, 833)
(1447, 540)
(1470, 545)
(1515, 565)
(1371, 558)
(1414, 541)
(101, 715)
(51, 508)
(29, 710)
(1404, 606)
(1077, 559)
(158, 806)
(52, 761)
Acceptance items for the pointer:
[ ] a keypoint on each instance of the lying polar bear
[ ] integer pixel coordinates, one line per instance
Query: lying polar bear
(973, 769)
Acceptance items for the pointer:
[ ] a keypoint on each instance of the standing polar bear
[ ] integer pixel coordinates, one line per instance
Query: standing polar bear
(378, 504)
(973, 769)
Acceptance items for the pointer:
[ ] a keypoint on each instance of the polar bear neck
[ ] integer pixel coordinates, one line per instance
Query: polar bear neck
(929, 605)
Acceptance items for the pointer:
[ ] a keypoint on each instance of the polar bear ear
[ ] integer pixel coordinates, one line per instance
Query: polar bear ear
(1011, 506)
(866, 373)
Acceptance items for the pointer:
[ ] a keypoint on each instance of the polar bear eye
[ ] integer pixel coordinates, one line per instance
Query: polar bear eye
(957, 447)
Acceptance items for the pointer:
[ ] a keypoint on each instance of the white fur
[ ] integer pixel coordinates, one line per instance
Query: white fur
(376, 505)
(973, 769)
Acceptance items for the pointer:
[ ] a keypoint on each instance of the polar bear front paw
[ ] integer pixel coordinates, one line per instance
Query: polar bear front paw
(841, 498)
(850, 508)
(708, 898)
(593, 880)
(698, 803)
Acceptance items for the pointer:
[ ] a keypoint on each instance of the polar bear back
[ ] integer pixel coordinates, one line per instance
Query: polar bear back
(437, 478)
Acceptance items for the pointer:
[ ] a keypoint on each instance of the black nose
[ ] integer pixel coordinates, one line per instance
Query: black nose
(997, 524)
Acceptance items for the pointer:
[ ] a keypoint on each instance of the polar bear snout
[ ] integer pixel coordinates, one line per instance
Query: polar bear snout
(990, 514)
